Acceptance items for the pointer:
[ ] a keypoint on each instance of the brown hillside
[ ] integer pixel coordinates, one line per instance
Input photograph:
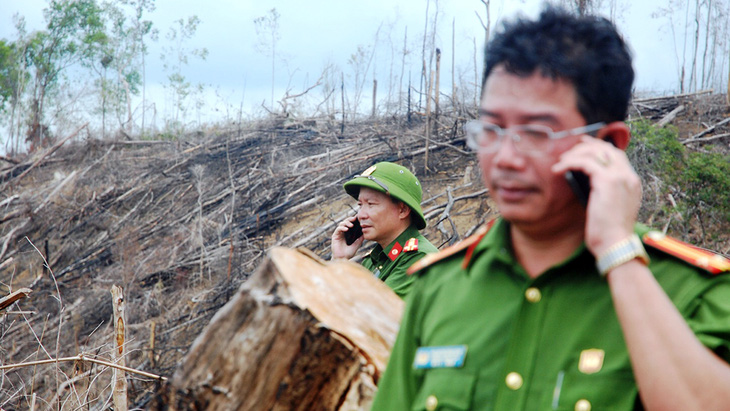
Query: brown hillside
(181, 224)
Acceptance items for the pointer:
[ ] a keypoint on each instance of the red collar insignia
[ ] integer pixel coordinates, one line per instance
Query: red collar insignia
(395, 251)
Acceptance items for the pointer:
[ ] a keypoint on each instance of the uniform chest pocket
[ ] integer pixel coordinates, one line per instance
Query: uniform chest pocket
(445, 389)
(595, 392)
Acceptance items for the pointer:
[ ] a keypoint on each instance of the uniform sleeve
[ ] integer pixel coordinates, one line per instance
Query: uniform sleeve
(711, 318)
(399, 281)
(398, 385)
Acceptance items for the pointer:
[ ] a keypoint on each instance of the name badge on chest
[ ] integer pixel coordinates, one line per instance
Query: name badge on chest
(450, 356)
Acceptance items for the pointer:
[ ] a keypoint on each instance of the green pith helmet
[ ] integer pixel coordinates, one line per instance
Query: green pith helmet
(394, 180)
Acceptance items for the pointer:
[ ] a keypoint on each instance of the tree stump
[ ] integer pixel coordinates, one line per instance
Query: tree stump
(300, 334)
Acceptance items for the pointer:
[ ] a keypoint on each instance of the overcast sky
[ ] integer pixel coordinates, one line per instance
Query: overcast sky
(314, 33)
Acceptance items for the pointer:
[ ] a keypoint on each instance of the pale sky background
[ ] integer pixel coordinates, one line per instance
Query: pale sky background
(314, 33)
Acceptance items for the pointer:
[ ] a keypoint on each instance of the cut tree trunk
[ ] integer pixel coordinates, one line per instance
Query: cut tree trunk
(119, 379)
(300, 334)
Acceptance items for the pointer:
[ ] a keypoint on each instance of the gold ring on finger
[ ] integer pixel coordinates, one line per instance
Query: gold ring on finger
(604, 159)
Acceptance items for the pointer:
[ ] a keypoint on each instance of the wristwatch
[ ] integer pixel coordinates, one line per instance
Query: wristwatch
(621, 253)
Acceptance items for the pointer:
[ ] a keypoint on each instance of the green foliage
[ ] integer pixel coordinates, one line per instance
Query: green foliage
(11, 73)
(102, 38)
(74, 31)
(73, 34)
(698, 182)
(655, 150)
(706, 184)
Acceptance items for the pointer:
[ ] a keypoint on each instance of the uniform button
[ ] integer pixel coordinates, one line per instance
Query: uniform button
(514, 381)
(583, 405)
(533, 295)
(432, 402)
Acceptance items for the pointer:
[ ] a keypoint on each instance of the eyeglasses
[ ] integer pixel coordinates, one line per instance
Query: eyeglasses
(529, 139)
(375, 180)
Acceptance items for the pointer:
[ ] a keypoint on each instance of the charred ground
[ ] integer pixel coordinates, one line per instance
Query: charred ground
(181, 224)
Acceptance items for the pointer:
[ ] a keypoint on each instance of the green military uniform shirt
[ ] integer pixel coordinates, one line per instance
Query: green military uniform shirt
(489, 337)
(390, 264)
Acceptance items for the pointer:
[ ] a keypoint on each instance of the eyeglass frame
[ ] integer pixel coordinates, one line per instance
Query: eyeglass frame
(471, 135)
(376, 181)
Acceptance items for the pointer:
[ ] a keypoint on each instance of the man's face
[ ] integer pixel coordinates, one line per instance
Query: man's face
(378, 215)
(522, 185)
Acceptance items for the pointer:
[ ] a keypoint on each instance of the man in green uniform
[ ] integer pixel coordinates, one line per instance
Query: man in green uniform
(389, 201)
(557, 305)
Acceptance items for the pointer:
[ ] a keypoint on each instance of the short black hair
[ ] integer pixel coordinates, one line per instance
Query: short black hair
(587, 51)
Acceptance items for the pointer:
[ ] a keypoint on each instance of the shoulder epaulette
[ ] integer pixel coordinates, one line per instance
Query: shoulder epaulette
(411, 245)
(699, 257)
(467, 244)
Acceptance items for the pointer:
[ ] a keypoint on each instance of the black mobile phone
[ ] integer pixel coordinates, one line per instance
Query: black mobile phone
(581, 185)
(353, 233)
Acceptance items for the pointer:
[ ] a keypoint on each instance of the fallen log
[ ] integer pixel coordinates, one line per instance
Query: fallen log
(300, 334)
(674, 96)
(669, 117)
(708, 130)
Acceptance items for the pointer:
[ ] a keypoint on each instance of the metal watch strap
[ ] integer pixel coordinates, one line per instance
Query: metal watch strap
(621, 253)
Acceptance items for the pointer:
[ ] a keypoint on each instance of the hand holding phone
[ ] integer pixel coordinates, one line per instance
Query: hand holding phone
(353, 233)
(581, 185)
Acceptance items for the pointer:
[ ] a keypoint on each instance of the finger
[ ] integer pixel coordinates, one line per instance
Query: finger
(358, 242)
(590, 156)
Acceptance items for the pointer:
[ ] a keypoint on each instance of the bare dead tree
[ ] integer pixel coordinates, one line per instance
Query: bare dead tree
(424, 81)
(695, 47)
(453, 61)
(342, 95)
(703, 37)
(375, 99)
(582, 6)
(391, 71)
(360, 62)
(267, 30)
(476, 73)
(404, 53)
(284, 102)
(438, 84)
(486, 23)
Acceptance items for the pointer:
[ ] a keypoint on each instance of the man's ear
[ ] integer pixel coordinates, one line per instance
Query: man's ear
(404, 211)
(617, 133)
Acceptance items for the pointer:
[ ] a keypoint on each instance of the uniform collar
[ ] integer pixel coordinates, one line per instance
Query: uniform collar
(394, 249)
(497, 241)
